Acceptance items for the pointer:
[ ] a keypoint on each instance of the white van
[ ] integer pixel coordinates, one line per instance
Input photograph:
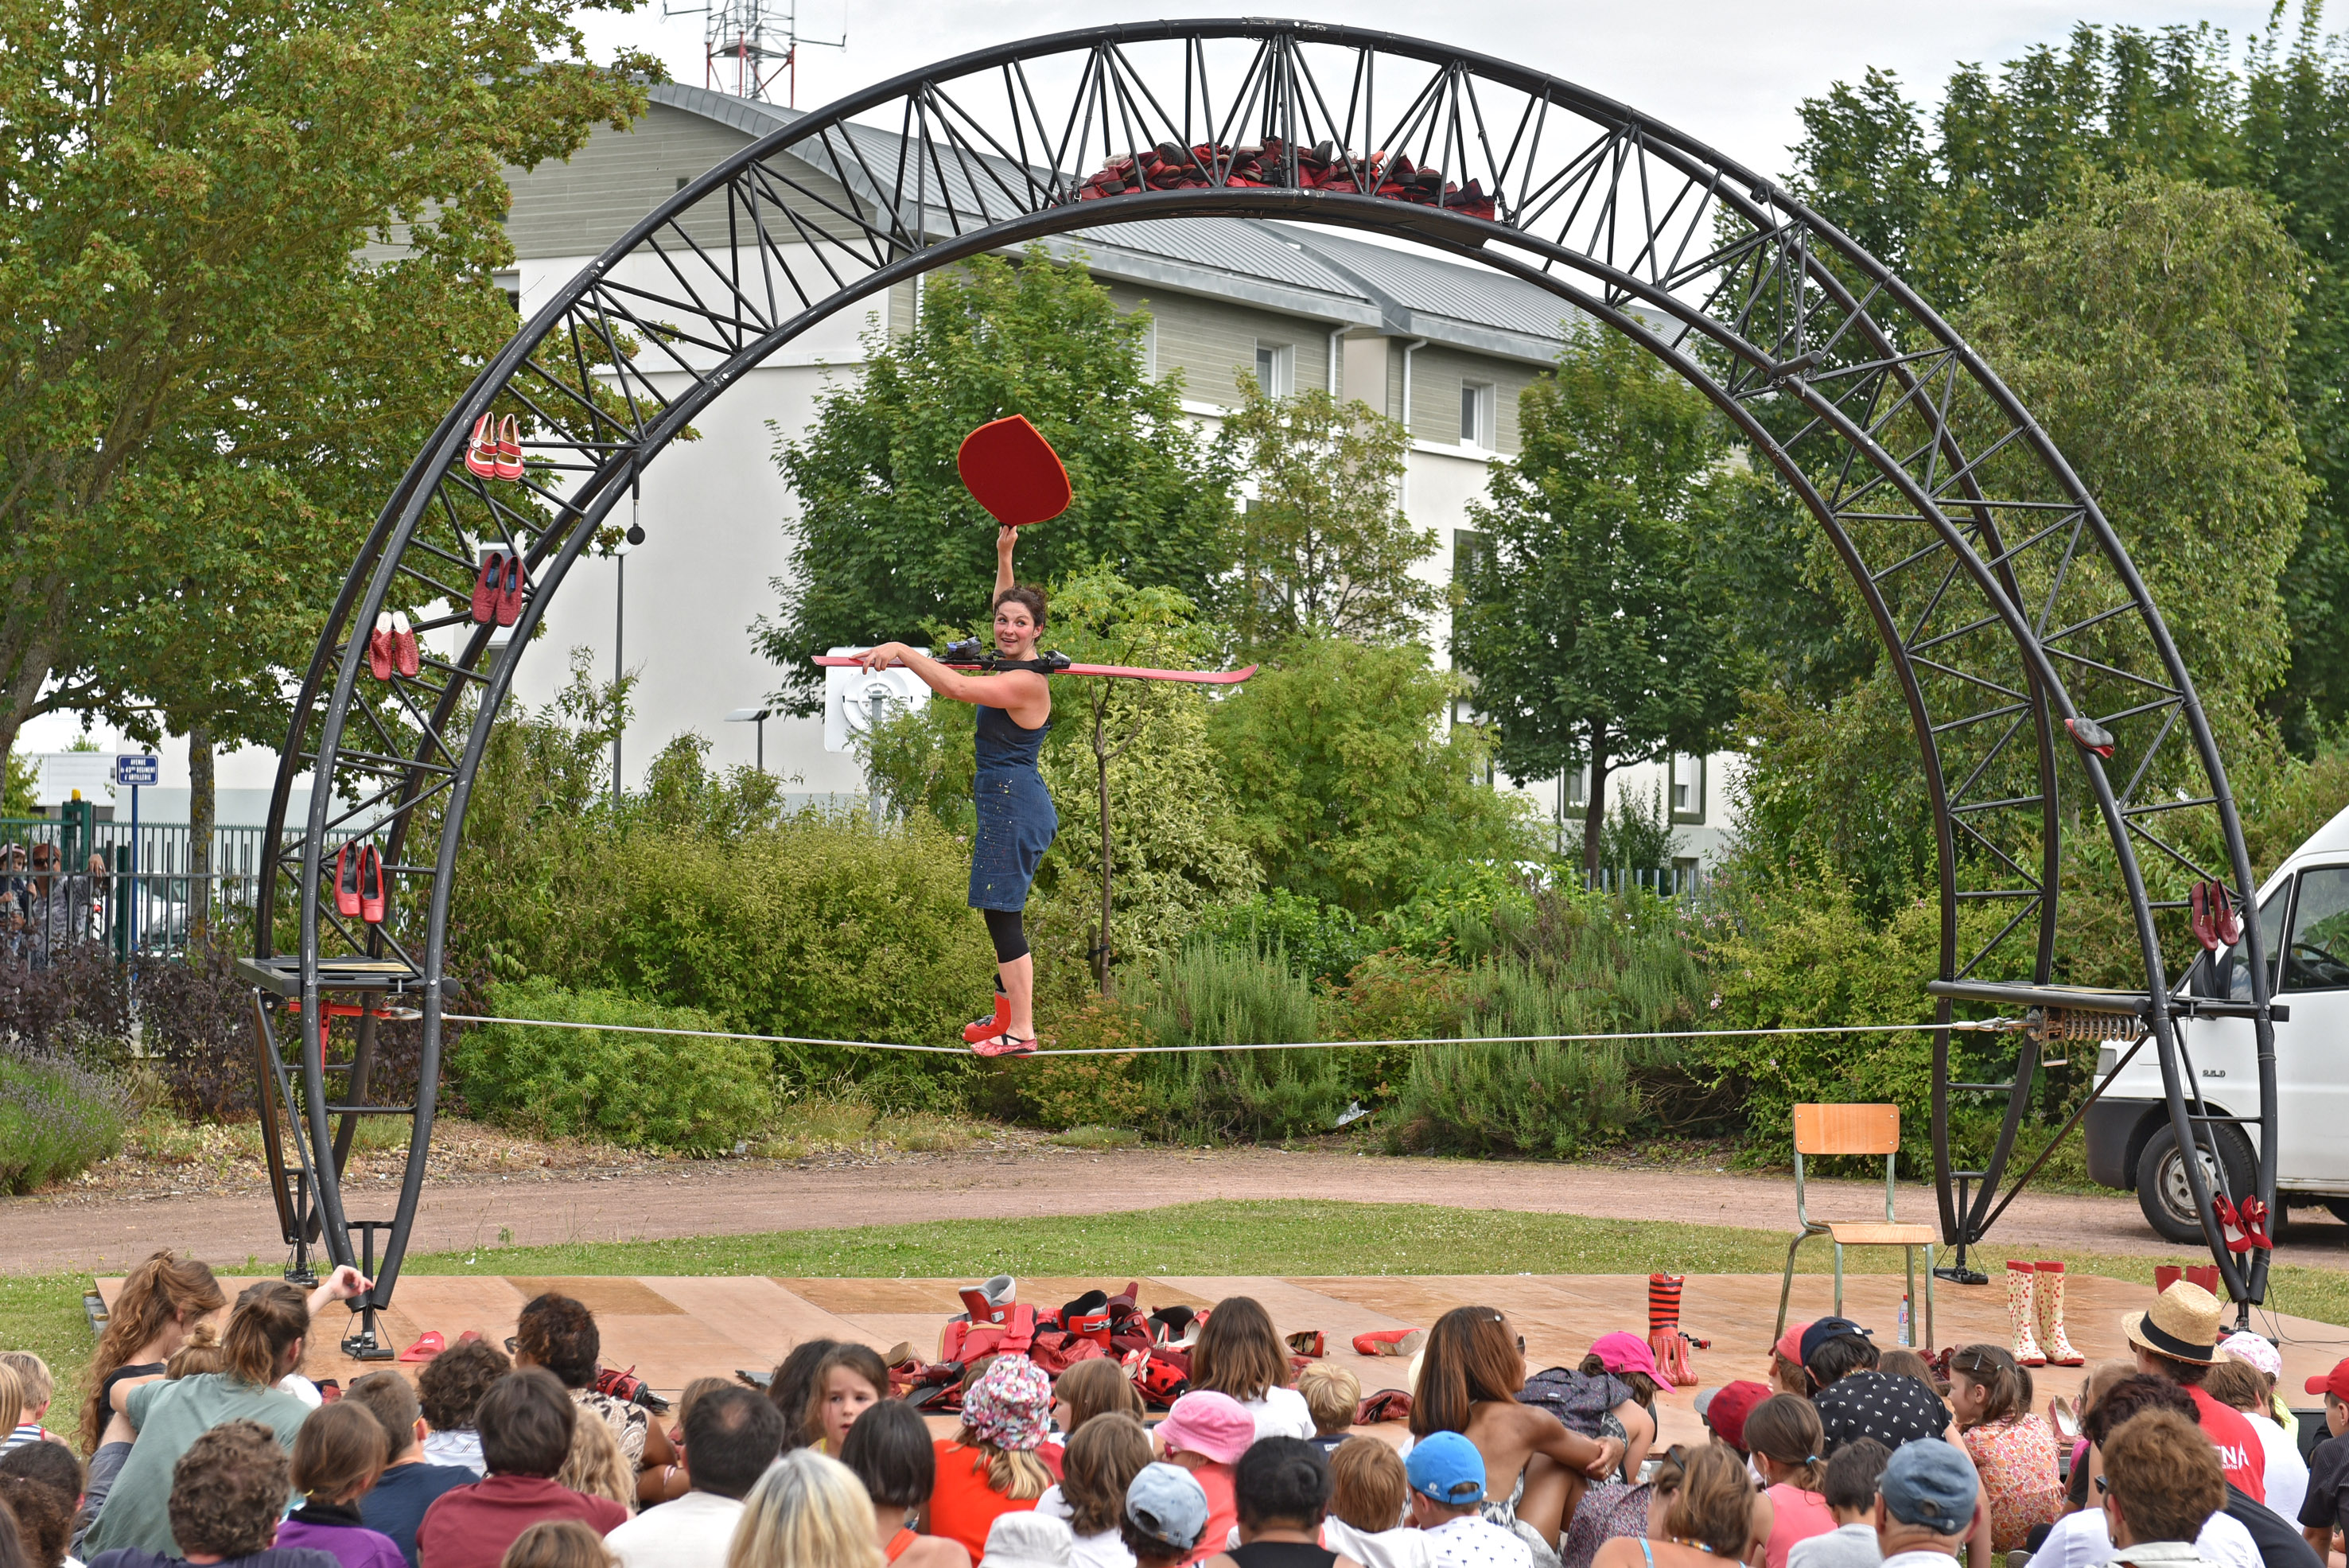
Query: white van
(2305, 921)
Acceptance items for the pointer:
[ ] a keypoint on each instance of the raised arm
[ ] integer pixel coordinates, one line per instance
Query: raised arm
(1005, 540)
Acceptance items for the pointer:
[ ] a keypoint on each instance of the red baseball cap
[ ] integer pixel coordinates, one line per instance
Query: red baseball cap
(2335, 1382)
(1724, 1409)
(1790, 1343)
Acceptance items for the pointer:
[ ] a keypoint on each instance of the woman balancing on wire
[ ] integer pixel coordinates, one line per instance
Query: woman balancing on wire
(1012, 471)
(1016, 819)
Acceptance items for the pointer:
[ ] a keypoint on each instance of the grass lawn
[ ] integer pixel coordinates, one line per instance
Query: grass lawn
(44, 1312)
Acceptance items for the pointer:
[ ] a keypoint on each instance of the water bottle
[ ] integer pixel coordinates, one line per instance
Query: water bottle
(1902, 1333)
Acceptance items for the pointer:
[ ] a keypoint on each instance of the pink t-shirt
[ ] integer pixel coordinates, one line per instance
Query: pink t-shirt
(1795, 1515)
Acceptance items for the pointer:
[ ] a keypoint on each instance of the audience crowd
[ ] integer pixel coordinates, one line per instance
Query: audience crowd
(210, 1450)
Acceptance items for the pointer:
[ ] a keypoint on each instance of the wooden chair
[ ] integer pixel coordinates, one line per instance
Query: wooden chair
(1854, 1129)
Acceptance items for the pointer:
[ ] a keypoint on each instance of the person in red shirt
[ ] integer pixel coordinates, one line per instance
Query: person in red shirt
(992, 1467)
(525, 1421)
(2178, 1340)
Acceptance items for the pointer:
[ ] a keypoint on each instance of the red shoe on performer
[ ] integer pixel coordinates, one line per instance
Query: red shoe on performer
(1004, 1044)
(987, 1028)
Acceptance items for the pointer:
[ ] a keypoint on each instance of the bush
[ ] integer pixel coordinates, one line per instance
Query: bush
(76, 1007)
(1321, 941)
(1819, 961)
(56, 1120)
(646, 1091)
(1543, 1098)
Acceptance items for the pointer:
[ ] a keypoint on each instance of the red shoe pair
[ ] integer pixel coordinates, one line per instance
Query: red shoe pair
(2212, 912)
(359, 882)
(497, 592)
(391, 647)
(495, 451)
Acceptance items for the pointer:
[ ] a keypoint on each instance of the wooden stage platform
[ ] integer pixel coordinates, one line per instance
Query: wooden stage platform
(675, 1329)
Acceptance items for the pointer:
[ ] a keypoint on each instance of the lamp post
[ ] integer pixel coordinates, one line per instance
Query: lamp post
(754, 716)
(628, 541)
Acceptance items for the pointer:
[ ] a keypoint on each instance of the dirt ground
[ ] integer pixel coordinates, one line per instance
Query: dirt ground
(494, 1188)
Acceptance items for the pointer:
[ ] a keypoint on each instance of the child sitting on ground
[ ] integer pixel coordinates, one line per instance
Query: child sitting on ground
(1102, 1460)
(1098, 1386)
(1369, 1506)
(849, 1381)
(1331, 1395)
(228, 1488)
(1239, 1353)
(1783, 1435)
(889, 1449)
(1207, 1434)
(44, 1519)
(35, 1387)
(1446, 1475)
(449, 1389)
(1164, 1520)
(1850, 1492)
(990, 1467)
(1281, 1490)
(338, 1454)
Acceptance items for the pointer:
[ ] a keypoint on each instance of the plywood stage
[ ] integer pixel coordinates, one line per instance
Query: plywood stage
(673, 1329)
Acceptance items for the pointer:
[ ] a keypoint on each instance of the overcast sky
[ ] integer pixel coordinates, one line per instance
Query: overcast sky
(1729, 73)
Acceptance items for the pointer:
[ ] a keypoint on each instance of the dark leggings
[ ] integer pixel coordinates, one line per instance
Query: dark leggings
(1011, 940)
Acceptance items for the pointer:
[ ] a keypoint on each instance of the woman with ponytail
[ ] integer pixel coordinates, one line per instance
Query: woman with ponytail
(263, 1343)
(1784, 1435)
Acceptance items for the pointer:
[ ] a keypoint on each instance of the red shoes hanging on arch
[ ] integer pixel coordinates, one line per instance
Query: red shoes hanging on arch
(359, 885)
(494, 449)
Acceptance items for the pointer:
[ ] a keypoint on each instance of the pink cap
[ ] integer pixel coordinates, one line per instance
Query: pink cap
(1626, 1353)
(1790, 1343)
(1208, 1423)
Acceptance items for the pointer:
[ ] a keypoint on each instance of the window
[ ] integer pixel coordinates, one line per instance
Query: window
(1688, 790)
(2318, 958)
(1276, 368)
(2226, 973)
(1471, 553)
(1476, 414)
(1575, 787)
(510, 285)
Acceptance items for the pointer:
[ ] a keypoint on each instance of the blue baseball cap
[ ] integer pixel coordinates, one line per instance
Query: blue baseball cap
(1928, 1484)
(1445, 1468)
(1168, 1504)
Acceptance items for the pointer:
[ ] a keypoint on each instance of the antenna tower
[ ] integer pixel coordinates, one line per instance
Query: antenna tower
(748, 44)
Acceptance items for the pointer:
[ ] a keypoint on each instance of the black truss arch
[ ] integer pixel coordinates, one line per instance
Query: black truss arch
(2007, 606)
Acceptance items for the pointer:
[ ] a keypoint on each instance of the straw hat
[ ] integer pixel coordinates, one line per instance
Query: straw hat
(2183, 1324)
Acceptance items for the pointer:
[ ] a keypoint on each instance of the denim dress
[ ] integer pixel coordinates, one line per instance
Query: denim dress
(1016, 819)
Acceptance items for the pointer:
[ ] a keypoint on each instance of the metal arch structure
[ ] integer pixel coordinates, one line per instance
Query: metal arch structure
(2006, 605)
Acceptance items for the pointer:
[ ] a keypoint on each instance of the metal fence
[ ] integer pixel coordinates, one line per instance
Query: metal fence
(129, 889)
(1664, 881)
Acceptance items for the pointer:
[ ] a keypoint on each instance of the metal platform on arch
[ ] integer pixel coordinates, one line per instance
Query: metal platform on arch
(2001, 596)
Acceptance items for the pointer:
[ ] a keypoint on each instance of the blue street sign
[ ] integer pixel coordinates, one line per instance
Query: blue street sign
(135, 770)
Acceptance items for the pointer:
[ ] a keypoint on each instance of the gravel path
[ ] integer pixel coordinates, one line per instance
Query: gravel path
(105, 1232)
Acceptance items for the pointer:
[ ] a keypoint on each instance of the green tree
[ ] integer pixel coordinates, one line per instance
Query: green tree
(1157, 845)
(2145, 324)
(1349, 785)
(1932, 199)
(16, 787)
(1592, 623)
(1323, 549)
(888, 543)
(214, 379)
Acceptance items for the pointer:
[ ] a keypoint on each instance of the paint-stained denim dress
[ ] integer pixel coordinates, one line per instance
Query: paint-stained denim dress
(1016, 819)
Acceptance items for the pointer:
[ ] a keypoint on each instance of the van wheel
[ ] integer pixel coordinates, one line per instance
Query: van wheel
(2161, 1188)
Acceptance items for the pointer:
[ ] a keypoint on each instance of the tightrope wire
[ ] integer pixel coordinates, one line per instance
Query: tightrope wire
(1990, 1024)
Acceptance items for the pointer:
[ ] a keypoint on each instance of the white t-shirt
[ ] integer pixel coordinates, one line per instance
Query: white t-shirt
(1103, 1551)
(2081, 1541)
(1281, 1413)
(1470, 1542)
(1400, 1548)
(692, 1532)
(457, 1445)
(2286, 1476)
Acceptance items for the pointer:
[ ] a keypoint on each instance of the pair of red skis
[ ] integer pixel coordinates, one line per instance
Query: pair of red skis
(1012, 471)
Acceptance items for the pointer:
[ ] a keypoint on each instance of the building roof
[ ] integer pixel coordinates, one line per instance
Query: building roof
(1298, 268)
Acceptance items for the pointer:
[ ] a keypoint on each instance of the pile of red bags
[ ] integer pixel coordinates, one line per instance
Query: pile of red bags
(1170, 166)
(1153, 1348)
